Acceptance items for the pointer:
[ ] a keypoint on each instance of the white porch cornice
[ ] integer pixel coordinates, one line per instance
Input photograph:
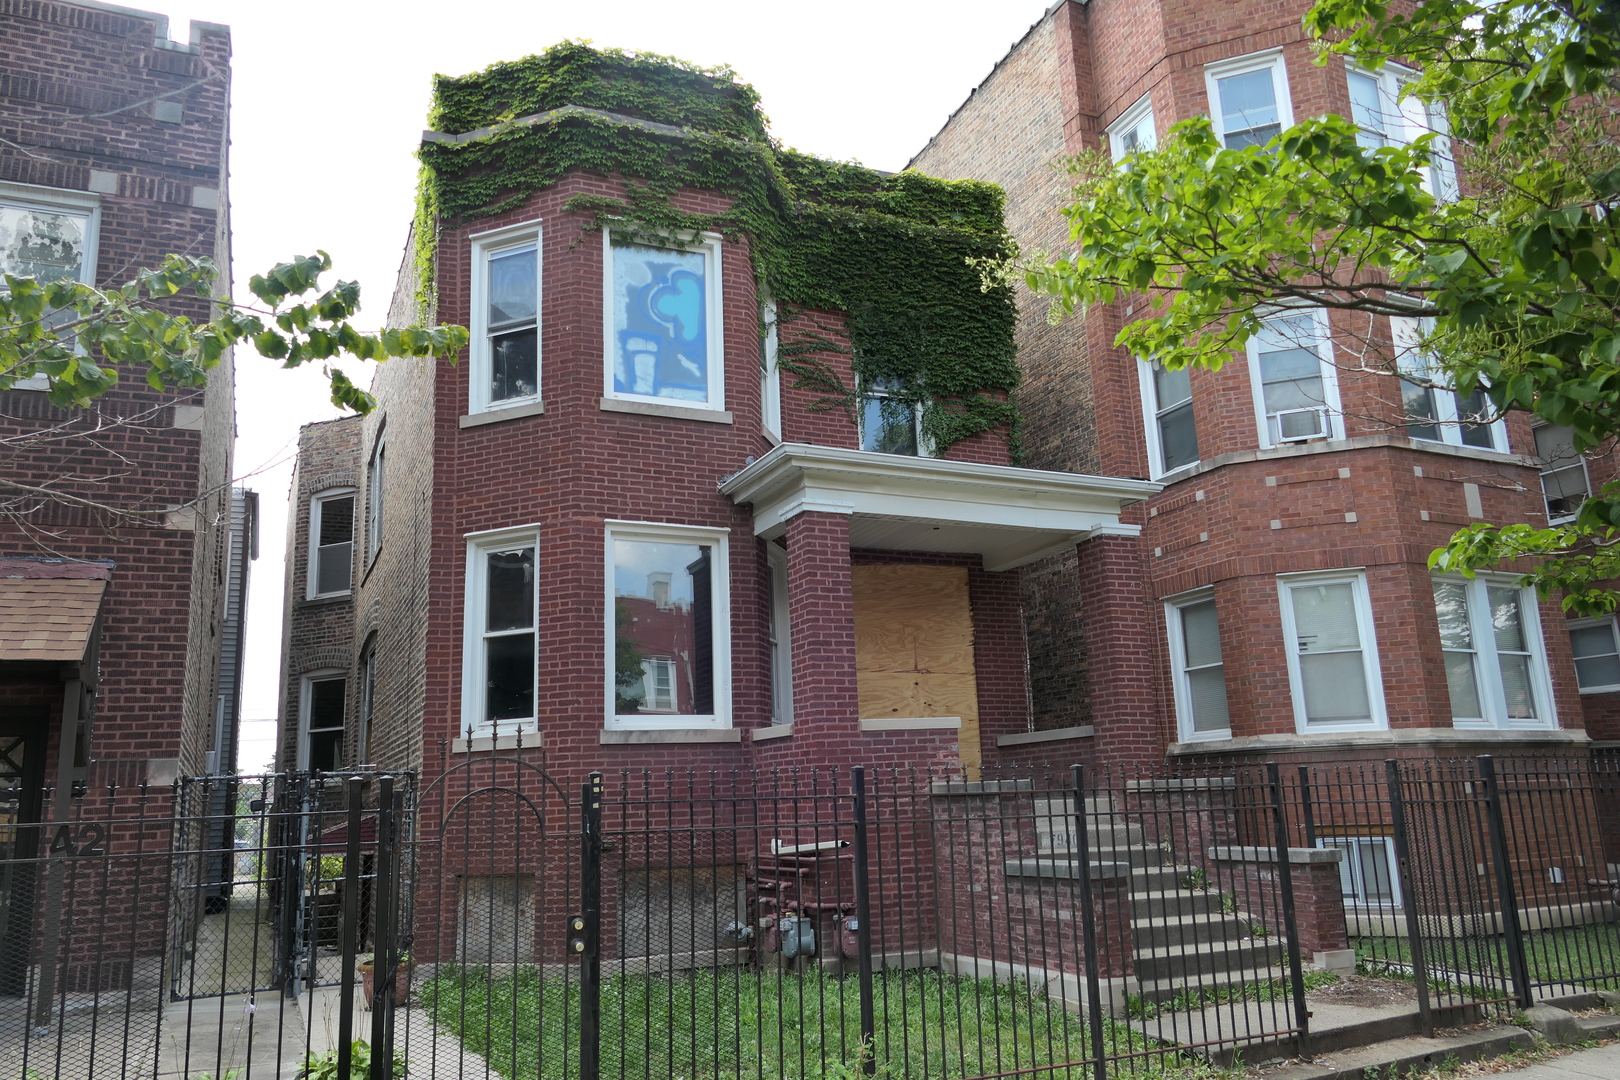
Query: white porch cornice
(1007, 515)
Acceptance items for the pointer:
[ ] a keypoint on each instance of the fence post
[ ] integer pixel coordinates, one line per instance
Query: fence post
(384, 962)
(863, 922)
(1506, 893)
(1285, 884)
(1307, 811)
(1403, 862)
(1088, 925)
(351, 927)
(590, 962)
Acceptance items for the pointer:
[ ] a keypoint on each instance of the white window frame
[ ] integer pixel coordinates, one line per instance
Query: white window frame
(664, 533)
(1416, 366)
(714, 312)
(925, 446)
(306, 700)
(486, 245)
(1351, 865)
(1330, 379)
(770, 378)
(781, 636)
(1356, 578)
(312, 555)
(474, 619)
(1271, 59)
(376, 479)
(1127, 122)
(60, 201)
(1489, 688)
(1586, 472)
(1178, 666)
(1614, 633)
(1414, 118)
(1150, 422)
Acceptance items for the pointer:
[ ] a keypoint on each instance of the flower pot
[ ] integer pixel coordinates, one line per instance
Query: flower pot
(402, 982)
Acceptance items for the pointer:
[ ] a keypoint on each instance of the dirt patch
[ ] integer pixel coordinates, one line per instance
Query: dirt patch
(1365, 991)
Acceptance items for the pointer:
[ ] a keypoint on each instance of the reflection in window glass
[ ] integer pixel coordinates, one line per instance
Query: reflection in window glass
(1205, 672)
(1367, 108)
(663, 641)
(43, 244)
(1178, 438)
(1249, 114)
(1597, 658)
(508, 634)
(660, 323)
(1512, 653)
(888, 424)
(1489, 642)
(1331, 666)
(1457, 642)
(514, 343)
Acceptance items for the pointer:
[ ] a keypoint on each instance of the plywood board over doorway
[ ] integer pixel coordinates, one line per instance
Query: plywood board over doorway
(914, 647)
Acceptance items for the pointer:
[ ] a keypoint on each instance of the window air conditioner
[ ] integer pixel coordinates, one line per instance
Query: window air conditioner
(1297, 425)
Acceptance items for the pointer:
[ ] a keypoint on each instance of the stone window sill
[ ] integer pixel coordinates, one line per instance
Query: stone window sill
(636, 737)
(679, 412)
(775, 731)
(912, 723)
(1024, 738)
(495, 416)
(528, 740)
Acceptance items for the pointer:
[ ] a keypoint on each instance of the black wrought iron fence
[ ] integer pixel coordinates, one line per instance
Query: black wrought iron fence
(495, 921)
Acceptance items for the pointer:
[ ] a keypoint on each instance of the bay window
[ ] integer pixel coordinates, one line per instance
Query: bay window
(668, 641)
(1490, 635)
(1248, 99)
(498, 645)
(663, 322)
(1133, 132)
(1597, 655)
(1431, 410)
(1332, 653)
(1295, 386)
(505, 350)
(1385, 118)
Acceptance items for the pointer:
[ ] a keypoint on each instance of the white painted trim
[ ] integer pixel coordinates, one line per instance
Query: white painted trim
(1371, 669)
(60, 200)
(305, 681)
(1572, 625)
(714, 312)
(312, 547)
(663, 532)
(1238, 65)
(1414, 118)
(912, 723)
(1181, 687)
(1330, 380)
(1493, 699)
(1413, 365)
(1150, 426)
(472, 724)
(776, 564)
(1141, 109)
(486, 244)
(770, 409)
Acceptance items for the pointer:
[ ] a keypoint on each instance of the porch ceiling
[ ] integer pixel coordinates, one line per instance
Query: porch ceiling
(1008, 516)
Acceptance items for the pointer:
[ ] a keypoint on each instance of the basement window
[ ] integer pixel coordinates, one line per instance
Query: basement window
(1367, 873)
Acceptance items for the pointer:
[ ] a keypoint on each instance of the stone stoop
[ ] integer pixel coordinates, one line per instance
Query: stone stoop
(1182, 938)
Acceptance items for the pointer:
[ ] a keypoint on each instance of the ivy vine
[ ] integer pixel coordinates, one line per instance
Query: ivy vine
(893, 251)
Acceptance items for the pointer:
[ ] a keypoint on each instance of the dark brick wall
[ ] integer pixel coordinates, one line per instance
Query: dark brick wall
(162, 190)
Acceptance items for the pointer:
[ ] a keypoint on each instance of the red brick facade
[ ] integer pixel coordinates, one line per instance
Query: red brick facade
(1373, 502)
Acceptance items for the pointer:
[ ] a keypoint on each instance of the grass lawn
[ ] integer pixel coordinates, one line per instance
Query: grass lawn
(752, 1026)
(1588, 956)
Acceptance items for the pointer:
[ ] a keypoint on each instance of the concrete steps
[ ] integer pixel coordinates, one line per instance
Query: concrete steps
(1397, 1057)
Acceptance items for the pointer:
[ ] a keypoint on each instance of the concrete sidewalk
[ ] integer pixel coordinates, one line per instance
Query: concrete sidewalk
(1600, 1063)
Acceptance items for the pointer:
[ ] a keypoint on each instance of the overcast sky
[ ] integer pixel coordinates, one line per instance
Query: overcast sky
(329, 100)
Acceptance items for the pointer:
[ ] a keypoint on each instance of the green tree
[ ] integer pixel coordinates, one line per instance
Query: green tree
(80, 337)
(1519, 271)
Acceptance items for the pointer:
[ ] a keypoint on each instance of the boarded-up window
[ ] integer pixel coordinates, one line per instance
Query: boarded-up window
(495, 920)
(914, 646)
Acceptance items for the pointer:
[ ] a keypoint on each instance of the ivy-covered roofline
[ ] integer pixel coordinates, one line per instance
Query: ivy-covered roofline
(893, 251)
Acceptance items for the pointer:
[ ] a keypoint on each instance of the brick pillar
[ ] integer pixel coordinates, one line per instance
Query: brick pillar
(821, 610)
(1122, 650)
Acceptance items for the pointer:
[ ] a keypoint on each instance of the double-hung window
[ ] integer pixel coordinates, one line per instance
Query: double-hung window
(498, 644)
(506, 318)
(1432, 411)
(770, 376)
(325, 701)
(1597, 655)
(668, 622)
(663, 321)
(889, 424)
(1563, 471)
(1490, 634)
(1385, 118)
(1248, 99)
(1332, 653)
(1167, 407)
(1200, 673)
(331, 543)
(1133, 132)
(1296, 387)
(49, 235)
(780, 637)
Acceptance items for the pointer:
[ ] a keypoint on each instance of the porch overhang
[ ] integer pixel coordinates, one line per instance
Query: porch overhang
(1006, 515)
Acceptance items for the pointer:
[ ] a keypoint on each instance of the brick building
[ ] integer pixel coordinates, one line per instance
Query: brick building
(1277, 600)
(115, 540)
(605, 543)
